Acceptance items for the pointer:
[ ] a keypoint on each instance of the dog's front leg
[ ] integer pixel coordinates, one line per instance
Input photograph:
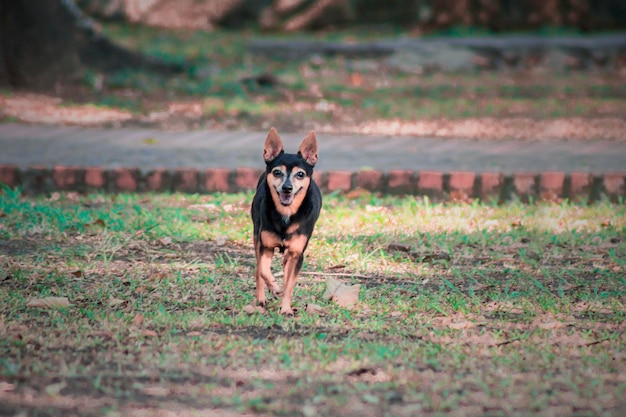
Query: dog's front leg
(292, 263)
(264, 275)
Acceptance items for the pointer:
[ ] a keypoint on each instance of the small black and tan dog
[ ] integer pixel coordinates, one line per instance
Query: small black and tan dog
(285, 208)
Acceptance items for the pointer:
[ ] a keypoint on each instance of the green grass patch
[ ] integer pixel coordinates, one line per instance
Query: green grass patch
(471, 309)
(222, 68)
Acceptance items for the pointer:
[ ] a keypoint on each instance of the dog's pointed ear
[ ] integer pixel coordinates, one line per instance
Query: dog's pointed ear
(273, 146)
(308, 148)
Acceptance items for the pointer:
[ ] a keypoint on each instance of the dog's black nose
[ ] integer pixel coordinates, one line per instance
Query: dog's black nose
(287, 187)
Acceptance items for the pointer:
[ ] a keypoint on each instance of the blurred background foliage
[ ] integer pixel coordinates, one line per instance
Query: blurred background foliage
(424, 15)
(223, 63)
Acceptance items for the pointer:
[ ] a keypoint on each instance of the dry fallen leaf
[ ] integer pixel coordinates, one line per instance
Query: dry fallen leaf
(459, 325)
(157, 277)
(156, 391)
(95, 223)
(165, 241)
(398, 247)
(344, 295)
(356, 79)
(357, 193)
(115, 301)
(138, 319)
(54, 390)
(314, 309)
(49, 302)
(102, 333)
(150, 141)
(250, 309)
(149, 333)
(6, 386)
(549, 325)
(78, 274)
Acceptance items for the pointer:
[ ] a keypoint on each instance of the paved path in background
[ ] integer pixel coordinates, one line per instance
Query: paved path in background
(27, 145)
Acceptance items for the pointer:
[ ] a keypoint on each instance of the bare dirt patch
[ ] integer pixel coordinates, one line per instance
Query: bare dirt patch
(39, 108)
(46, 109)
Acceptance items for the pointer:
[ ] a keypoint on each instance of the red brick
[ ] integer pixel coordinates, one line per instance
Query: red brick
(186, 180)
(36, 179)
(401, 181)
(462, 185)
(491, 184)
(339, 180)
(430, 183)
(613, 184)
(217, 180)
(524, 185)
(67, 177)
(580, 186)
(125, 179)
(95, 177)
(158, 180)
(318, 177)
(9, 175)
(552, 186)
(247, 178)
(369, 180)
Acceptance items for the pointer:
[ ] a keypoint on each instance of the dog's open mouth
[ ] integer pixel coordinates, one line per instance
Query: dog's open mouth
(285, 198)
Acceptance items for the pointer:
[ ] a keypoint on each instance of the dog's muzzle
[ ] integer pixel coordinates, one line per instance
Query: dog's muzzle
(286, 198)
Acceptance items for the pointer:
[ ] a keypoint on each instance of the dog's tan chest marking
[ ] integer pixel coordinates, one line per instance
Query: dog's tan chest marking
(293, 228)
(271, 240)
(296, 244)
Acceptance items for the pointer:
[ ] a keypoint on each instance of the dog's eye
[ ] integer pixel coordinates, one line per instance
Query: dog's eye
(277, 173)
(300, 175)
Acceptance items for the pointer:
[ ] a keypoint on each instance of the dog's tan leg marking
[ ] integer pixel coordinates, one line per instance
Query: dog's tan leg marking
(264, 276)
(261, 299)
(292, 264)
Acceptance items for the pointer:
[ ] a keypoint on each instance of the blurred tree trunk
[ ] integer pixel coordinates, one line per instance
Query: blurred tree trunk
(296, 15)
(45, 42)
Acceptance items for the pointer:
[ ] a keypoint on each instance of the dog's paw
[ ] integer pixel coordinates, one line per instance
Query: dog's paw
(275, 290)
(288, 312)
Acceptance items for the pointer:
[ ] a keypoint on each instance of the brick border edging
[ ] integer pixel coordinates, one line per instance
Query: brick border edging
(440, 186)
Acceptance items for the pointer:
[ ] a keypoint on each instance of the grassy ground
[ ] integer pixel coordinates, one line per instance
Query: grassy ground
(464, 310)
(222, 89)
(339, 91)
